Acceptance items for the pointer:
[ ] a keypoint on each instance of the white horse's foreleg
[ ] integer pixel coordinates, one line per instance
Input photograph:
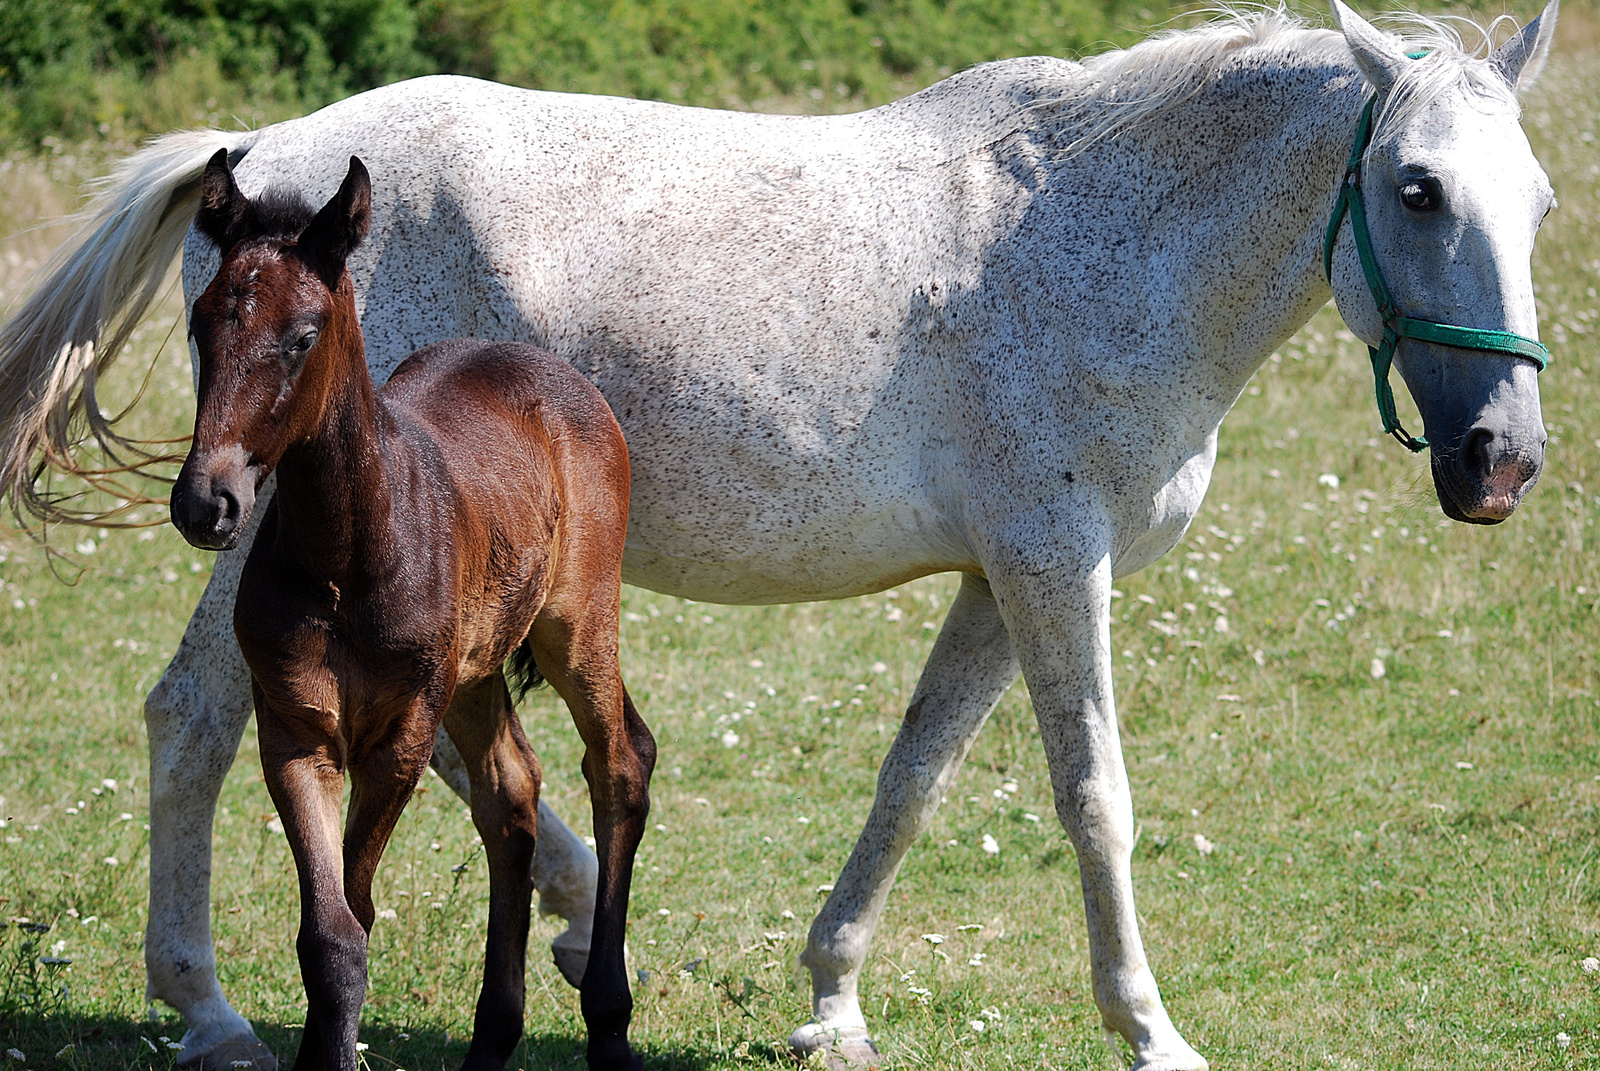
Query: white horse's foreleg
(1062, 630)
(195, 716)
(970, 667)
(565, 870)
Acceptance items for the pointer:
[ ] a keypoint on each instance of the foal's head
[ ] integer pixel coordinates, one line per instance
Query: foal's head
(269, 332)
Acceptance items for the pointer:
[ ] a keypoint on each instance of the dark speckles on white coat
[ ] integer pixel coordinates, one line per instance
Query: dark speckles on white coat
(946, 334)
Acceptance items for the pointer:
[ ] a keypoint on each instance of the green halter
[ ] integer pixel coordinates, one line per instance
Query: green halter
(1396, 326)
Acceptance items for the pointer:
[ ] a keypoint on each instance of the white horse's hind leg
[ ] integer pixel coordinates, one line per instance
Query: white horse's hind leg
(1061, 626)
(195, 716)
(970, 667)
(565, 870)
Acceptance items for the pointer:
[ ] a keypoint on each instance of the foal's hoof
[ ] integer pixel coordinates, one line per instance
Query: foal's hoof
(837, 1050)
(235, 1054)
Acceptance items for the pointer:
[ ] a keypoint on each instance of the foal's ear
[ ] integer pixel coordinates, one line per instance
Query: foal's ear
(1380, 57)
(340, 226)
(226, 216)
(1520, 59)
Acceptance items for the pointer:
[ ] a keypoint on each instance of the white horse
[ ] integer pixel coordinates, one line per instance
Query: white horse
(990, 328)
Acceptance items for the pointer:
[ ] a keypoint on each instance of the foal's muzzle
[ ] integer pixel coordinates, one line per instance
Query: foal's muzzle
(212, 498)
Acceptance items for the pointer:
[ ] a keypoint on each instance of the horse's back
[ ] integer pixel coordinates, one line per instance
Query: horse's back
(759, 298)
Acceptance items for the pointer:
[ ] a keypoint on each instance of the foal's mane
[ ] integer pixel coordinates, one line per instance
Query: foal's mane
(1128, 88)
(282, 212)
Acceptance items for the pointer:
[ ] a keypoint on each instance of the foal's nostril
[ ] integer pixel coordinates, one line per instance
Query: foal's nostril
(224, 511)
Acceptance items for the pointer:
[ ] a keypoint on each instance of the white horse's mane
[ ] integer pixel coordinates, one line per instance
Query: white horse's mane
(1129, 87)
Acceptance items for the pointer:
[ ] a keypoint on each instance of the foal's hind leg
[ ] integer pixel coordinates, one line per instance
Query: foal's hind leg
(564, 868)
(505, 807)
(575, 644)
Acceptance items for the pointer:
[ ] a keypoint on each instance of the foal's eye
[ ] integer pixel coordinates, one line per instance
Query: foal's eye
(1420, 195)
(301, 344)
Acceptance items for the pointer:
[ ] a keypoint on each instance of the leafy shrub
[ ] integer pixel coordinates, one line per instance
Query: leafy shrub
(123, 69)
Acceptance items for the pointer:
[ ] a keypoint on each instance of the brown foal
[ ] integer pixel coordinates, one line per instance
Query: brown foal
(419, 536)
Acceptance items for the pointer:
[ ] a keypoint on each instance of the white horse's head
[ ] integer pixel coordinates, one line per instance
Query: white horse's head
(1454, 198)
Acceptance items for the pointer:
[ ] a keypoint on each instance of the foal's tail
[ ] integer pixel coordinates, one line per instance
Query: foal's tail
(522, 672)
(87, 301)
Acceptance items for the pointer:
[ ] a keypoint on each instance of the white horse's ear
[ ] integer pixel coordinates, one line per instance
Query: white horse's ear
(1380, 57)
(1520, 59)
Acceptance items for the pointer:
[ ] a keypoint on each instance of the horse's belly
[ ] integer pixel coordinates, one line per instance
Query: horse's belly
(702, 542)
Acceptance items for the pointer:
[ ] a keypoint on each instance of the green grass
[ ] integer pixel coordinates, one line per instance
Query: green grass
(1369, 902)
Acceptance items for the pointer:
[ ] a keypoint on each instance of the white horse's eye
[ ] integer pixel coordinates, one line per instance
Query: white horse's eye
(1420, 195)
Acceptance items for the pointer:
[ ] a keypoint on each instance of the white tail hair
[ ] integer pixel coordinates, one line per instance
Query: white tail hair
(87, 301)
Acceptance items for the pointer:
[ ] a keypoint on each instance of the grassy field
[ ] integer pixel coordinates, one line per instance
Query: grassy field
(1367, 809)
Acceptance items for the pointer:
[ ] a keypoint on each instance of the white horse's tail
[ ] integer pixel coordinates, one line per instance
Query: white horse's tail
(87, 301)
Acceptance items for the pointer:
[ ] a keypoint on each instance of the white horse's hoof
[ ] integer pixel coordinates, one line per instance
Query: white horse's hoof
(571, 951)
(838, 1050)
(239, 1053)
(1179, 1057)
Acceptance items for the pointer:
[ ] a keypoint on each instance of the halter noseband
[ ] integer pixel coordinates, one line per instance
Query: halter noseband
(1395, 325)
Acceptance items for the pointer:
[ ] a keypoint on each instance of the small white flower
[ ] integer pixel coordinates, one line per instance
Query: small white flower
(65, 1051)
(1563, 1040)
(730, 739)
(1203, 845)
(241, 1064)
(1220, 624)
(1328, 479)
(388, 913)
(175, 1046)
(1378, 669)
(978, 1025)
(977, 959)
(879, 667)
(274, 825)
(1463, 765)
(16, 1054)
(1590, 965)
(789, 915)
(109, 783)
(1029, 816)
(990, 845)
(933, 938)
(991, 1013)
(111, 860)
(663, 912)
(125, 816)
(828, 888)
(969, 927)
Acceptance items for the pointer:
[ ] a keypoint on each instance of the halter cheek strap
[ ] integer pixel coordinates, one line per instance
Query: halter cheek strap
(1395, 325)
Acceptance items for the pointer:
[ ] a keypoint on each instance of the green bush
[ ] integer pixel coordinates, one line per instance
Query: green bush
(124, 69)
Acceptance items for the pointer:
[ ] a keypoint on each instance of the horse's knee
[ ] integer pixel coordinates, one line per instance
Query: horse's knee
(194, 731)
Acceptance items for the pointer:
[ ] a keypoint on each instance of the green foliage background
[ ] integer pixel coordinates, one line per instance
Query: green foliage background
(72, 70)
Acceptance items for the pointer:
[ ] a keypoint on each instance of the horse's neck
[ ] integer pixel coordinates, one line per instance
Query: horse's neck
(1228, 195)
(334, 495)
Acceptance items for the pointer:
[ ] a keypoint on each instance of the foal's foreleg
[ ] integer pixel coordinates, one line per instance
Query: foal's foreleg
(580, 661)
(505, 781)
(307, 786)
(968, 671)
